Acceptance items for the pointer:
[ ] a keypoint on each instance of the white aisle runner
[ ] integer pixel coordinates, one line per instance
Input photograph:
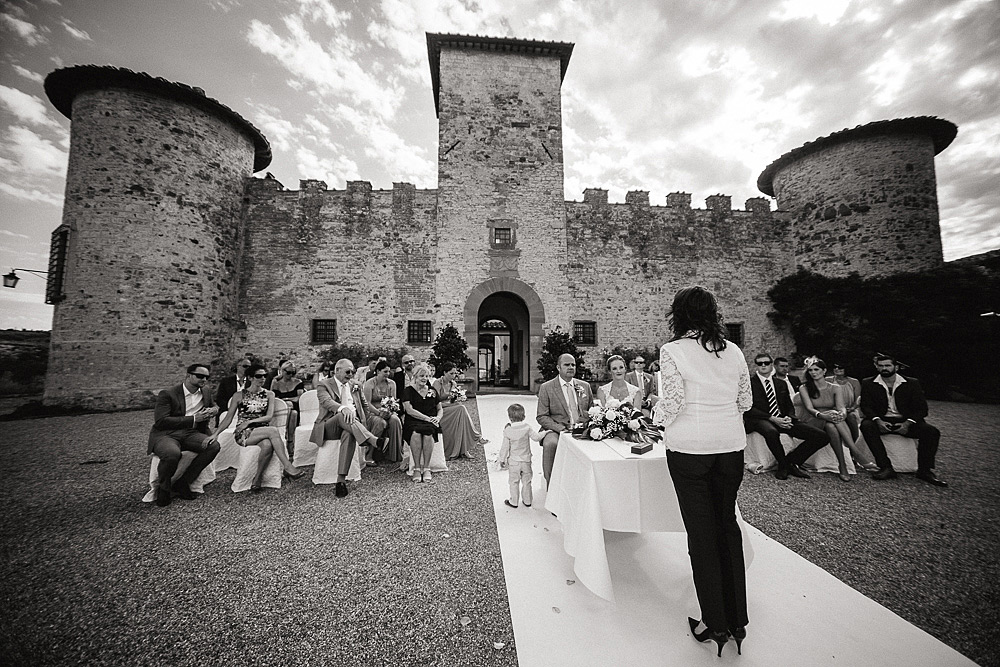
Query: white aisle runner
(799, 614)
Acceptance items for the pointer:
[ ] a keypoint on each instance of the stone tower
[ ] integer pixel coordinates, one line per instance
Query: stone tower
(152, 223)
(501, 211)
(864, 200)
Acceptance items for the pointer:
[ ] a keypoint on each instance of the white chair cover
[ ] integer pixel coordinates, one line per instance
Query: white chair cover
(902, 451)
(327, 464)
(246, 466)
(305, 450)
(198, 486)
(438, 461)
(758, 458)
(229, 451)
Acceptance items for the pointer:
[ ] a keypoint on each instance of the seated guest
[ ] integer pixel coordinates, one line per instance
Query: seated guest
(180, 423)
(253, 409)
(342, 416)
(892, 403)
(646, 383)
(382, 420)
(825, 409)
(563, 402)
(287, 387)
(458, 434)
(619, 388)
(404, 376)
(421, 424)
(852, 396)
(369, 370)
(233, 383)
(324, 372)
(771, 415)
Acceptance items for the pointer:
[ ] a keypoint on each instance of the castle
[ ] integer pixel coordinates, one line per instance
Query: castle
(171, 251)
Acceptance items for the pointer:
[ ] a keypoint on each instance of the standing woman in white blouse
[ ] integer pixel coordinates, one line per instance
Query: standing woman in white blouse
(704, 391)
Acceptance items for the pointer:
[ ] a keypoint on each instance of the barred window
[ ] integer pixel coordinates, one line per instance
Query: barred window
(585, 333)
(418, 331)
(734, 332)
(324, 332)
(57, 265)
(503, 237)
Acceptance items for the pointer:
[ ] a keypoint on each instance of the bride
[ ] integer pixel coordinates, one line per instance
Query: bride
(618, 388)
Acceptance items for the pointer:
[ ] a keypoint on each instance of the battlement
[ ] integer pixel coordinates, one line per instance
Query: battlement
(719, 203)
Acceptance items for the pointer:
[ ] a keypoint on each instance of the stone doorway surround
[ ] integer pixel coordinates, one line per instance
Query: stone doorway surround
(536, 317)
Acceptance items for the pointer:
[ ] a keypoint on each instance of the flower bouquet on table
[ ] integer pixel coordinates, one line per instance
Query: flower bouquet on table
(619, 419)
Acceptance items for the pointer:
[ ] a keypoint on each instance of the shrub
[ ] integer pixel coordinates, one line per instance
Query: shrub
(449, 347)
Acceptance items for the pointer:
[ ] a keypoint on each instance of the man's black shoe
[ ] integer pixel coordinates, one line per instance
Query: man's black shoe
(929, 477)
(182, 490)
(796, 471)
(781, 473)
(341, 489)
(162, 496)
(884, 473)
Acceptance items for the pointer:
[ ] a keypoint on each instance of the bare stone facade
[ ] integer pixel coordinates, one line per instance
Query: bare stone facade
(178, 254)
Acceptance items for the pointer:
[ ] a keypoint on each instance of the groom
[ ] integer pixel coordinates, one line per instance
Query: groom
(562, 402)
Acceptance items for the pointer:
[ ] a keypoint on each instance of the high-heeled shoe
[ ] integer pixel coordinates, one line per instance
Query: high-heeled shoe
(289, 475)
(738, 635)
(255, 487)
(844, 477)
(720, 638)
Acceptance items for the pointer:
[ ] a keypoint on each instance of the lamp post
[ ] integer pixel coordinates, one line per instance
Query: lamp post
(10, 279)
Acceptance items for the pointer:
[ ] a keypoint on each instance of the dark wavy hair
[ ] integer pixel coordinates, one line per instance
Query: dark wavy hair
(381, 364)
(695, 310)
(810, 383)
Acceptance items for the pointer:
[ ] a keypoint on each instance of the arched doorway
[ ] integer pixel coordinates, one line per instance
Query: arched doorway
(505, 318)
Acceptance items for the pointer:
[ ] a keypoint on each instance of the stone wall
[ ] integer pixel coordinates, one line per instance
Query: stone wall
(867, 205)
(366, 258)
(153, 194)
(626, 262)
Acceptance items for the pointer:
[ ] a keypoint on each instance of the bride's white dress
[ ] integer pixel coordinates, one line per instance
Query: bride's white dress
(631, 392)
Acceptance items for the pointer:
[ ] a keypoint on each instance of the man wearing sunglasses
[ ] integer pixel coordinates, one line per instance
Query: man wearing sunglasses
(772, 414)
(404, 377)
(644, 381)
(233, 383)
(181, 423)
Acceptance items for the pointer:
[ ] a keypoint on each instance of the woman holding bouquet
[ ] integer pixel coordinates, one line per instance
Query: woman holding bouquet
(457, 432)
(380, 393)
(421, 425)
(704, 391)
(618, 388)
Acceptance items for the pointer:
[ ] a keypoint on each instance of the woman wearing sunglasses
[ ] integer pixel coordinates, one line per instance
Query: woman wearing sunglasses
(254, 407)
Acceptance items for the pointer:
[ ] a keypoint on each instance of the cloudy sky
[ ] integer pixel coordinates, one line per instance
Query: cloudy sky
(661, 95)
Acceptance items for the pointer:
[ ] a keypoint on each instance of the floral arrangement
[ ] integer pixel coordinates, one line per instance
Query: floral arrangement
(389, 403)
(458, 393)
(617, 419)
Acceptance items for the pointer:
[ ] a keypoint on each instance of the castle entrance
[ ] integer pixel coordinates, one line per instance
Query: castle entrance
(504, 317)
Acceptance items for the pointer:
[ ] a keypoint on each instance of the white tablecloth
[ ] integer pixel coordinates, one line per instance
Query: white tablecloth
(601, 485)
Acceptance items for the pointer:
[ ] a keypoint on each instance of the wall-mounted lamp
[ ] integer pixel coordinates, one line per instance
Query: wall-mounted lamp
(10, 279)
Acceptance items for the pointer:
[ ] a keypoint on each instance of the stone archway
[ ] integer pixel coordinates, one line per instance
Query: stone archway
(526, 325)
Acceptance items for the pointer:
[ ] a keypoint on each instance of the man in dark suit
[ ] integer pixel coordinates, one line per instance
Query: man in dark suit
(563, 402)
(646, 383)
(180, 423)
(404, 376)
(772, 414)
(232, 384)
(892, 403)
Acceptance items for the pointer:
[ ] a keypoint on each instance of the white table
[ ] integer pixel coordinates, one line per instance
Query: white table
(601, 485)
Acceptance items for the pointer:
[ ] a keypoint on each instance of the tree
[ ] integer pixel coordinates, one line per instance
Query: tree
(557, 343)
(449, 347)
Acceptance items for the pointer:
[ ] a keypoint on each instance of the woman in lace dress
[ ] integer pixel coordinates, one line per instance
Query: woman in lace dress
(618, 388)
(253, 408)
(824, 407)
(457, 432)
(376, 388)
(704, 391)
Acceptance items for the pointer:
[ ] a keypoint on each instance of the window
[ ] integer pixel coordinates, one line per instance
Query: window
(57, 265)
(418, 331)
(503, 237)
(324, 331)
(585, 333)
(734, 332)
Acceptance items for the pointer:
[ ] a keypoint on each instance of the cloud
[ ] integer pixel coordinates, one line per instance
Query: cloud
(26, 107)
(7, 232)
(34, 195)
(32, 154)
(75, 32)
(25, 30)
(325, 11)
(28, 74)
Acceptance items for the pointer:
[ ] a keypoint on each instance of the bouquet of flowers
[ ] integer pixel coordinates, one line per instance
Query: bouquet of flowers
(458, 394)
(617, 419)
(389, 403)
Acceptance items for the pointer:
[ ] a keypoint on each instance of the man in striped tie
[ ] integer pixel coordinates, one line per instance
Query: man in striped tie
(773, 414)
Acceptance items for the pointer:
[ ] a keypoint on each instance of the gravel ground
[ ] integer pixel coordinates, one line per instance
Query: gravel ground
(400, 574)
(394, 574)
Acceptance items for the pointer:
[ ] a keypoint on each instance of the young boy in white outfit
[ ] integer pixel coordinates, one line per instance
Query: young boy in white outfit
(515, 454)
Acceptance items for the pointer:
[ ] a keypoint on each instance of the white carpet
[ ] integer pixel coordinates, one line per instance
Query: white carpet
(799, 614)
